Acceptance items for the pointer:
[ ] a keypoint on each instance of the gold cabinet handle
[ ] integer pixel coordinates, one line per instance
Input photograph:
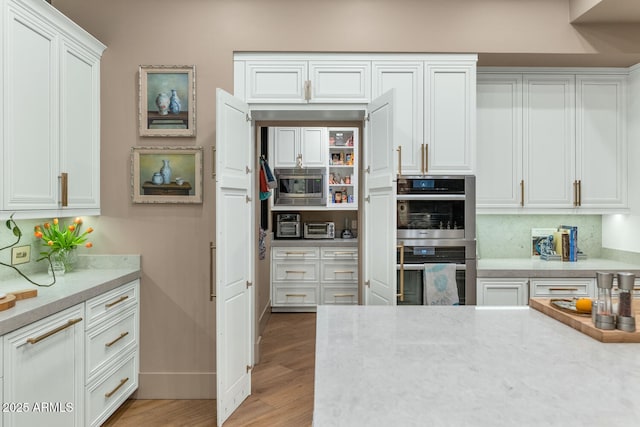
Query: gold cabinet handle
(122, 335)
(399, 150)
(296, 253)
(118, 301)
(69, 323)
(112, 392)
(64, 184)
(295, 271)
(212, 293)
(303, 296)
(426, 158)
(213, 162)
(343, 272)
(307, 90)
(579, 192)
(344, 253)
(575, 193)
(422, 158)
(522, 192)
(564, 289)
(401, 294)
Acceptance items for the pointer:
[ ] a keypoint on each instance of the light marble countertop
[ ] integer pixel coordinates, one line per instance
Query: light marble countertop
(467, 366)
(339, 242)
(534, 267)
(94, 275)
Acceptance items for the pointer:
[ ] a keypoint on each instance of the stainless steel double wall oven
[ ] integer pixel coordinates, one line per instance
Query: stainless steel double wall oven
(436, 220)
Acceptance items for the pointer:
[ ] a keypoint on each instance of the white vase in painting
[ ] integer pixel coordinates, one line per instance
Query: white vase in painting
(165, 171)
(174, 102)
(162, 102)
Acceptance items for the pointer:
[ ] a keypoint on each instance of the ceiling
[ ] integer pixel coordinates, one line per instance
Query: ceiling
(604, 11)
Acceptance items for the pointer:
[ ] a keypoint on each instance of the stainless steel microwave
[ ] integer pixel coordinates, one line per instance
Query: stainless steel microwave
(300, 187)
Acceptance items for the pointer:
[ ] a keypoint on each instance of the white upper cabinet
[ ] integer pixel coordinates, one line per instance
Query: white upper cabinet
(434, 112)
(296, 146)
(551, 140)
(499, 139)
(450, 117)
(275, 80)
(601, 164)
(51, 113)
(406, 78)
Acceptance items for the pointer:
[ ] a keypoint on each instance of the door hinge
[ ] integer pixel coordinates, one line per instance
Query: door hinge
(249, 367)
(367, 199)
(367, 283)
(247, 169)
(368, 169)
(248, 199)
(367, 117)
(249, 284)
(248, 117)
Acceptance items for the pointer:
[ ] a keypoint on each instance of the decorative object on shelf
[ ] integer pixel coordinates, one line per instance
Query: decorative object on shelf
(177, 117)
(61, 242)
(186, 162)
(165, 171)
(162, 102)
(157, 178)
(174, 103)
(11, 225)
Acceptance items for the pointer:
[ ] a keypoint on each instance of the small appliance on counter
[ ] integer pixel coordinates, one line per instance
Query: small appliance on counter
(319, 230)
(288, 226)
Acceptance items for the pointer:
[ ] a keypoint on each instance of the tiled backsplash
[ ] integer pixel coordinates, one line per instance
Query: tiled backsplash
(509, 236)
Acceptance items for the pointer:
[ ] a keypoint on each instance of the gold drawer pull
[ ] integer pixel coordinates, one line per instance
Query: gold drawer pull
(118, 301)
(564, 289)
(69, 323)
(296, 295)
(112, 392)
(296, 252)
(344, 253)
(343, 272)
(122, 335)
(343, 296)
(295, 271)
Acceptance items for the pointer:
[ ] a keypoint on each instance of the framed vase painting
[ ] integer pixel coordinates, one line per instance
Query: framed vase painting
(166, 174)
(167, 100)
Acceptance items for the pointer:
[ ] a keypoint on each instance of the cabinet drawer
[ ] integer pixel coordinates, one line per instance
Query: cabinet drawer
(108, 392)
(550, 288)
(339, 253)
(112, 303)
(339, 295)
(295, 296)
(295, 272)
(336, 271)
(106, 342)
(295, 253)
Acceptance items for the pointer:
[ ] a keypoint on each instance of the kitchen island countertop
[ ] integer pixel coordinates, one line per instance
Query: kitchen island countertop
(467, 366)
(535, 267)
(93, 276)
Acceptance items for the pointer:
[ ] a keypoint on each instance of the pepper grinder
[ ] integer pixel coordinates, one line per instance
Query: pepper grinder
(605, 319)
(625, 320)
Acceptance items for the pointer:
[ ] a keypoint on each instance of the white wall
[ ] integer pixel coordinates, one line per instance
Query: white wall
(622, 232)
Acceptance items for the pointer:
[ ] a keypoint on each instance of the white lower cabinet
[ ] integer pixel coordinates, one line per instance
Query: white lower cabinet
(503, 292)
(74, 367)
(562, 288)
(44, 372)
(303, 277)
(111, 346)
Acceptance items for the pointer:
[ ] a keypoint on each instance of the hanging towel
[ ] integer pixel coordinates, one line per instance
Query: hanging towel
(271, 181)
(264, 188)
(440, 284)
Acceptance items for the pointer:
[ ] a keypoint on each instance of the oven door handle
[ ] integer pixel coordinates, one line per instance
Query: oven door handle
(401, 265)
(445, 197)
(415, 267)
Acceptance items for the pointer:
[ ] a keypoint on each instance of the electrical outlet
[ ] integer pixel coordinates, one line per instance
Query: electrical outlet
(20, 255)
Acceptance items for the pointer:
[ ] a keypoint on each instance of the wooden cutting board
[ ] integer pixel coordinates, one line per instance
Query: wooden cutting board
(9, 300)
(584, 324)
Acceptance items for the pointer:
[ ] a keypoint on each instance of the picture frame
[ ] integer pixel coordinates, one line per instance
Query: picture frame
(167, 100)
(166, 174)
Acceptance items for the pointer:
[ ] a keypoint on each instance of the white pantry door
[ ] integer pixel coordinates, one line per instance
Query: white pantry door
(380, 204)
(234, 254)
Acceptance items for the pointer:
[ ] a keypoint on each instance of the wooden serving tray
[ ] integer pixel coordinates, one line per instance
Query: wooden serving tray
(584, 324)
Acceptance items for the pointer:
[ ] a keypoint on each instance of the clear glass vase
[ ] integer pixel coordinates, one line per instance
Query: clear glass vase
(63, 261)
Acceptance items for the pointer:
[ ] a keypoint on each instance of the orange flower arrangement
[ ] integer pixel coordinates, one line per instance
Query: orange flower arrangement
(60, 238)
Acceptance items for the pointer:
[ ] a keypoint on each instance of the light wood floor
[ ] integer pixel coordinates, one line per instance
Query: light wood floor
(282, 386)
